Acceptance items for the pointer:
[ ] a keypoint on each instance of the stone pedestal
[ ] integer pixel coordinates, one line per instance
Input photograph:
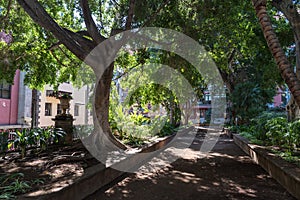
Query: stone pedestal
(65, 121)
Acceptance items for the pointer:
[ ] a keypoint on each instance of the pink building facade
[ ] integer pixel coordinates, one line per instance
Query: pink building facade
(281, 98)
(9, 100)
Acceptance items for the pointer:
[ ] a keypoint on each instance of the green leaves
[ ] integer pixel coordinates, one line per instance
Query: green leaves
(277, 130)
(12, 184)
(249, 100)
(31, 49)
(37, 137)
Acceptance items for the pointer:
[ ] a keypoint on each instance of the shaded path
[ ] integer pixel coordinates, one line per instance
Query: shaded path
(226, 173)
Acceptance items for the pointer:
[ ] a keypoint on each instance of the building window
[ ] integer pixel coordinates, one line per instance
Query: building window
(76, 110)
(5, 90)
(48, 109)
(49, 93)
(59, 110)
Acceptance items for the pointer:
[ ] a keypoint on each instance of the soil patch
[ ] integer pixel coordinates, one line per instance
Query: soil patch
(57, 165)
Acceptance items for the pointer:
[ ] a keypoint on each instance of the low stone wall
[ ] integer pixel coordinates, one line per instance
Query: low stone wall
(96, 177)
(285, 173)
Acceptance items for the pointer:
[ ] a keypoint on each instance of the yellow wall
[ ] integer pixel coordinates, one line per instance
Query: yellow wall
(79, 99)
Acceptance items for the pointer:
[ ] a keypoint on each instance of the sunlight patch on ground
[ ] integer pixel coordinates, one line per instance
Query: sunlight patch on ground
(186, 177)
(36, 163)
(63, 170)
(234, 187)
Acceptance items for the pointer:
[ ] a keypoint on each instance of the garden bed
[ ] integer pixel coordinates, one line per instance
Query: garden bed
(61, 172)
(287, 174)
(44, 170)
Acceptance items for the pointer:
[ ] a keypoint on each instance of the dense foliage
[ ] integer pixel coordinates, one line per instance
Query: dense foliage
(272, 129)
(249, 99)
(22, 139)
(229, 31)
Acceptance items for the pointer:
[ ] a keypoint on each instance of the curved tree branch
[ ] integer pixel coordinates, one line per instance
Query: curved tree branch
(90, 23)
(288, 8)
(77, 44)
(7, 11)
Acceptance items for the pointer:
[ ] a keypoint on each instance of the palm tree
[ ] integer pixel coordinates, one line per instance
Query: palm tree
(285, 67)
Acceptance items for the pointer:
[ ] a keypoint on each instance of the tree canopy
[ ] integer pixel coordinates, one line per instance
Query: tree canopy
(229, 31)
(52, 38)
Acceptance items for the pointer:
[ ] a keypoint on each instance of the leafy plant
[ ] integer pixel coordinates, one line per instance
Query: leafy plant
(47, 136)
(272, 128)
(166, 130)
(11, 184)
(38, 181)
(18, 186)
(57, 133)
(4, 142)
(139, 119)
(258, 123)
(134, 129)
(83, 130)
(249, 99)
(33, 138)
(293, 137)
(277, 130)
(6, 195)
(44, 135)
(23, 138)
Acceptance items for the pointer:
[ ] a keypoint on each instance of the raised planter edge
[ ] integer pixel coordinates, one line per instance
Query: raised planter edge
(282, 171)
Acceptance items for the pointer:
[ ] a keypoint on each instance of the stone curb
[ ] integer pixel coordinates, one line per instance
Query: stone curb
(94, 178)
(284, 172)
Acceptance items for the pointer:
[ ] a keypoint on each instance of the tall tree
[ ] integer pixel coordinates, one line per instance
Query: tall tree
(102, 19)
(289, 9)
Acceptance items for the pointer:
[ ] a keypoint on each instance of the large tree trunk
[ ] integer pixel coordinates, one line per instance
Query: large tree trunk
(289, 10)
(102, 108)
(293, 109)
(286, 69)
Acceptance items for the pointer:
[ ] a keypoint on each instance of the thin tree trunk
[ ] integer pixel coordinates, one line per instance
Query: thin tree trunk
(34, 109)
(286, 69)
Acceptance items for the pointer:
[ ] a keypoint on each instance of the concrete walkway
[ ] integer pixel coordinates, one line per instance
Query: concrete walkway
(226, 173)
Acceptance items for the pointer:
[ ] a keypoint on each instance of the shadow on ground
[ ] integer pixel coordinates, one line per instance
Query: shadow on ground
(225, 173)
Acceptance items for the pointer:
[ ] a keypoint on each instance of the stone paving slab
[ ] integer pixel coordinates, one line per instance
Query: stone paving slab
(225, 173)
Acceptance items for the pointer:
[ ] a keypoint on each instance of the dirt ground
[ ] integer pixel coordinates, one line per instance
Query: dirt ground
(57, 165)
(226, 173)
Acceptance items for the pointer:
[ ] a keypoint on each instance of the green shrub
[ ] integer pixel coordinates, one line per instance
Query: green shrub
(293, 138)
(12, 184)
(249, 99)
(277, 130)
(23, 138)
(259, 122)
(135, 129)
(42, 137)
(82, 131)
